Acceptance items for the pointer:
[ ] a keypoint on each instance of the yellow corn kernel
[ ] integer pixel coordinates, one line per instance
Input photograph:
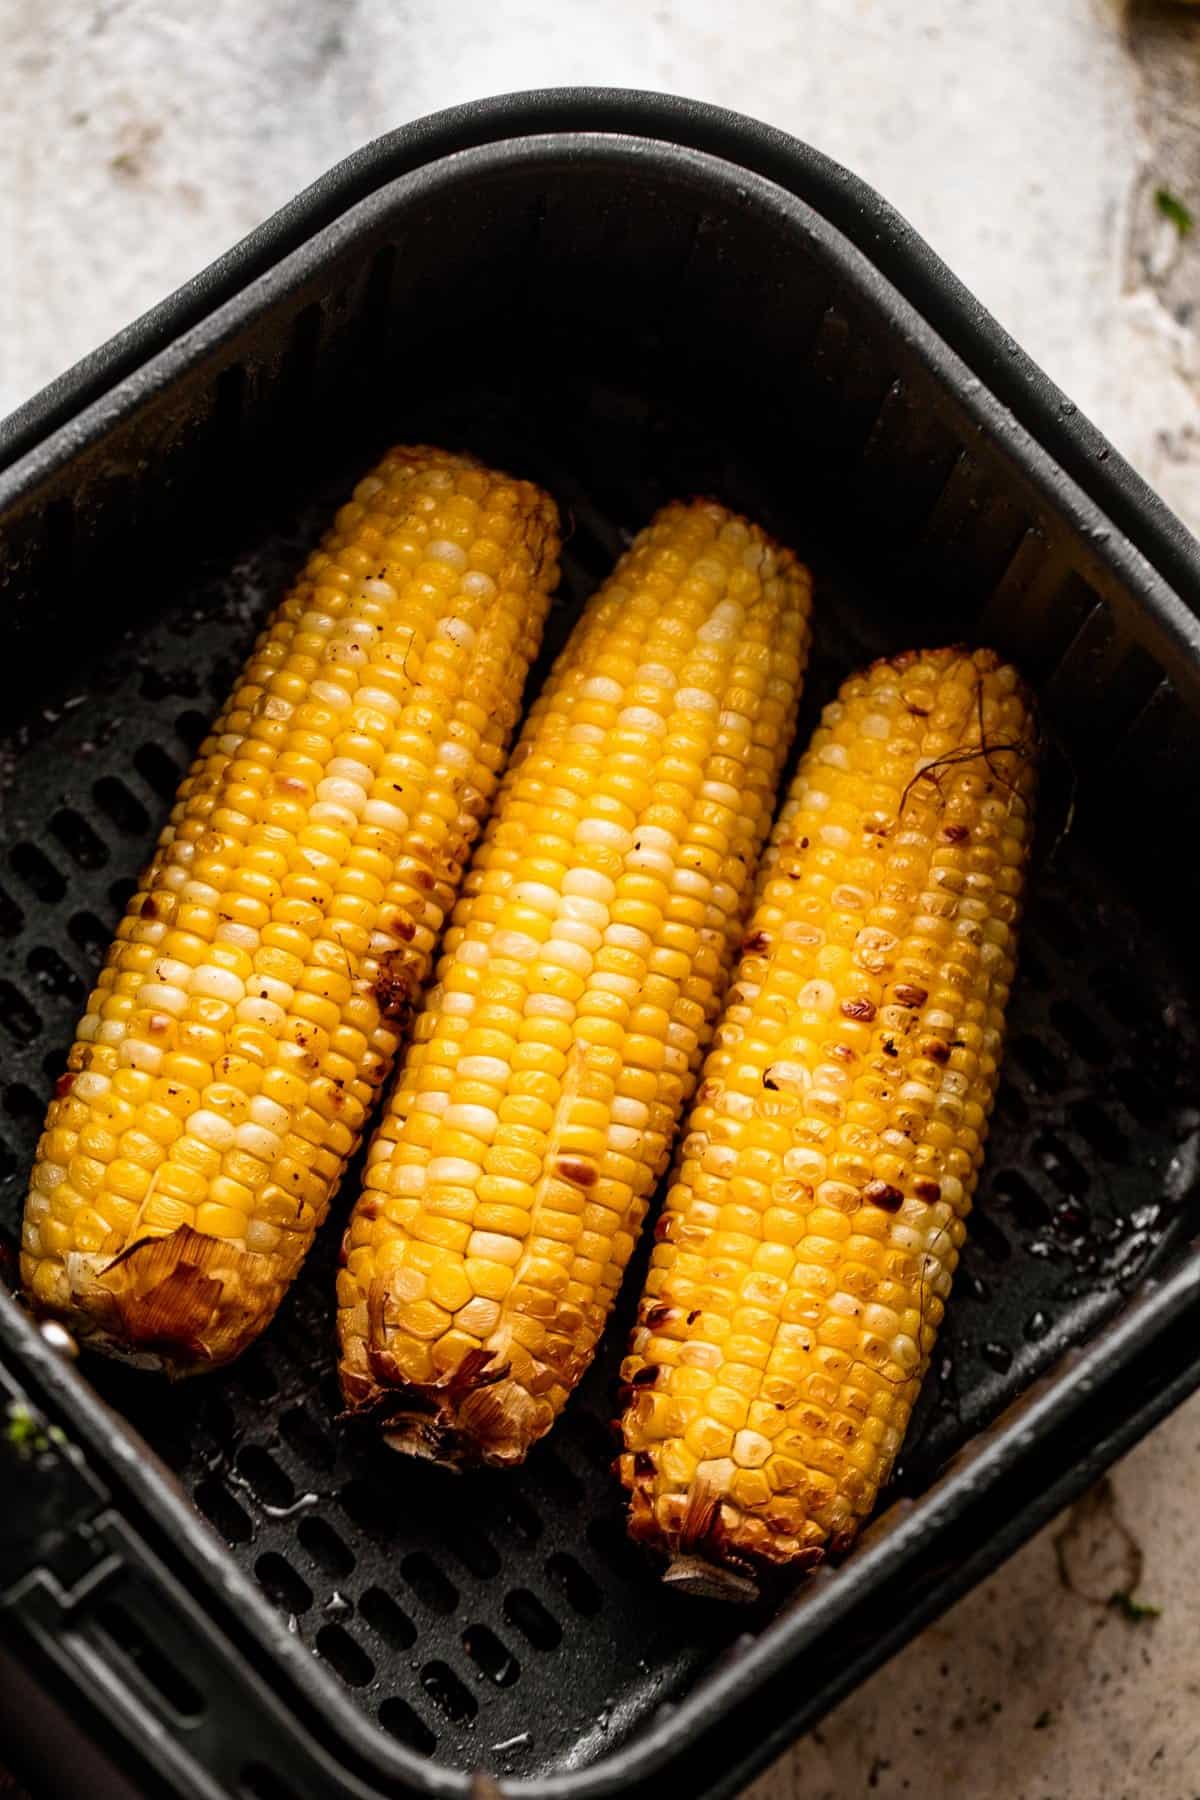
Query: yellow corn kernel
(643, 784)
(878, 961)
(254, 997)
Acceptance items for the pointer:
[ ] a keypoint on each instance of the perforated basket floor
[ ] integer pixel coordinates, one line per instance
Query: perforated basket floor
(503, 1620)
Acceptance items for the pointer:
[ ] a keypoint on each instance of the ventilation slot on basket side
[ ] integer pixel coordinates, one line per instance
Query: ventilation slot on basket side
(917, 453)
(1012, 614)
(851, 385)
(229, 409)
(294, 383)
(379, 309)
(970, 537)
(1101, 684)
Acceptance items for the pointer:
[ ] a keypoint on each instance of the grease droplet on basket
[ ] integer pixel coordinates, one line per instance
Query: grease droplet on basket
(1183, 1169)
(338, 1606)
(997, 1356)
(300, 1504)
(1072, 1219)
(1037, 1325)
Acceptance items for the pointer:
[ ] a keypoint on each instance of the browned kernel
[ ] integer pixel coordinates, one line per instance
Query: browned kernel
(243, 1034)
(787, 1240)
(577, 990)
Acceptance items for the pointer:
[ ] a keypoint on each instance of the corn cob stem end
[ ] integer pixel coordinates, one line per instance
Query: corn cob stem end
(412, 1437)
(179, 1304)
(709, 1581)
(443, 1421)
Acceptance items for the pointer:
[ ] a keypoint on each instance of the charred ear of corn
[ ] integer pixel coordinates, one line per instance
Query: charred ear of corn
(581, 978)
(814, 1223)
(252, 1003)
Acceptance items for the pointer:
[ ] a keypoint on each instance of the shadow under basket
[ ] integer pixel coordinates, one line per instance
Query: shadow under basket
(627, 299)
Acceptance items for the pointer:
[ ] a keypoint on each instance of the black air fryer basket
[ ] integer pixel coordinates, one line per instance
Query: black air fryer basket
(214, 1588)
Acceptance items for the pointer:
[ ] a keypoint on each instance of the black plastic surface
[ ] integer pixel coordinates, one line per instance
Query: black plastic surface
(582, 312)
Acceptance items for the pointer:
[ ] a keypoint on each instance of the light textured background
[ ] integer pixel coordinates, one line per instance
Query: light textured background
(1025, 139)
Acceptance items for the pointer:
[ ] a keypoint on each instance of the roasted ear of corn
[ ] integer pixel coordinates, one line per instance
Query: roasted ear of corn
(814, 1223)
(581, 977)
(252, 1003)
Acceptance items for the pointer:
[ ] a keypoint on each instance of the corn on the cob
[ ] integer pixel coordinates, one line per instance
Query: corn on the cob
(815, 1218)
(254, 997)
(581, 977)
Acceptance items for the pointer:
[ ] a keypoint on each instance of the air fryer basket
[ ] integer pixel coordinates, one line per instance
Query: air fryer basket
(559, 286)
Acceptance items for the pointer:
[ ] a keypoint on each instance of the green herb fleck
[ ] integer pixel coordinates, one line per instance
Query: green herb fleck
(1136, 1611)
(1043, 1719)
(24, 1430)
(1172, 209)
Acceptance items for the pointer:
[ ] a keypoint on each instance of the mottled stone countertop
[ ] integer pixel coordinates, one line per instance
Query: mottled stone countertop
(1028, 143)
